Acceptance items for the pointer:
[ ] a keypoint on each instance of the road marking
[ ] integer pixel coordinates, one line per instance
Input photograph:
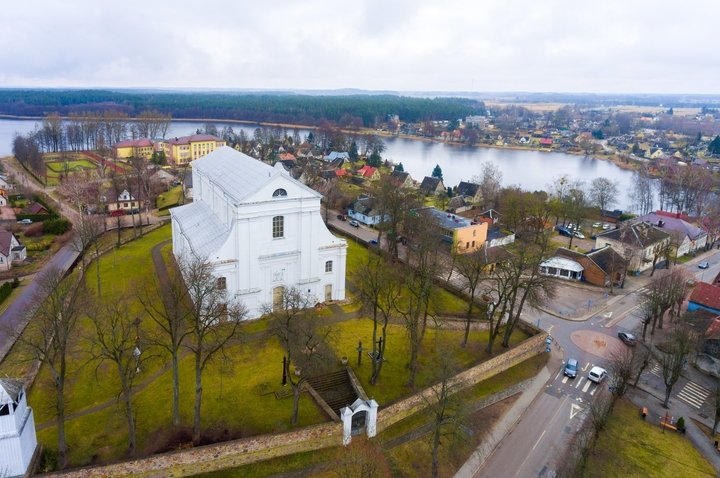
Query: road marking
(557, 375)
(565, 379)
(538, 440)
(592, 392)
(550, 328)
(587, 385)
(693, 394)
(586, 366)
(656, 370)
(574, 410)
(579, 381)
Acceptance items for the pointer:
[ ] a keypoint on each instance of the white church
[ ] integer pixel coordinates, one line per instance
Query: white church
(18, 441)
(261, 229)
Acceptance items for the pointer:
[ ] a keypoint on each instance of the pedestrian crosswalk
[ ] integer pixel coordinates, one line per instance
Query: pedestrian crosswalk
(693, 394)
(642, 290)
(656, 370)
(581, 383)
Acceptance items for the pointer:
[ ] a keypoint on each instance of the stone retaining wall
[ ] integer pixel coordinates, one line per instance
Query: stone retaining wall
(249, 450)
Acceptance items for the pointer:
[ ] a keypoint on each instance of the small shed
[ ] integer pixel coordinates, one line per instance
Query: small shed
(562, 268)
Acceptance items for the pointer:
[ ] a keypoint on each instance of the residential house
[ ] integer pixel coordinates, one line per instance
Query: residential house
(125, 202)
(457, 205)
(401, 179)
(18, 441)
(600, 266)
(5, 183)
(3, 198)
(11, 250)
(334, 155)
(641, 244)
(711, 338)
(36, 209)
(685, 237)
(462, 234)
(286, 157)
(546, 142)
(492, 216)
(369, 172)
(184, 149)
(470, 191)
(365, 210)
(705, 296)
(260, 229)
(611, 216)
(432, 186)
(134, 148)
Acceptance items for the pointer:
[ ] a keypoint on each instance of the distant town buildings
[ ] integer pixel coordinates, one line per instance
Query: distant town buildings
(261, 229)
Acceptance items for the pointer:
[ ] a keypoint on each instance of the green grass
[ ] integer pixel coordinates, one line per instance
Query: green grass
(629, 446)
(71, 165)
(392, 384)
(170, 198)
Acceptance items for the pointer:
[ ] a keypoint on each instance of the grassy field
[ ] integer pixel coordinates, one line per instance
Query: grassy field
(630, 446)
(73, 165)
(169, 198)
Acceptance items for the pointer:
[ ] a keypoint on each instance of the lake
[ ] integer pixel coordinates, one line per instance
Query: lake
(531, 170)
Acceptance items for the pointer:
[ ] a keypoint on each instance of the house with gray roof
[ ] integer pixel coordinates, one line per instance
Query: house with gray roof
(11, 250)
(686, 237)
(260, 229)
(431, 186)
(641, 244)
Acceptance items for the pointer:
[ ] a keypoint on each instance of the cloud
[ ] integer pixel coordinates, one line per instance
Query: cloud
(492, 45)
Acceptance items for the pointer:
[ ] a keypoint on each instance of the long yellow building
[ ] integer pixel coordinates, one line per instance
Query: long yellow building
(179, 150)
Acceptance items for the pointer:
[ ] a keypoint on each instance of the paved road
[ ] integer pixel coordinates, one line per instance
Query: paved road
(543, 433)
(24, 305)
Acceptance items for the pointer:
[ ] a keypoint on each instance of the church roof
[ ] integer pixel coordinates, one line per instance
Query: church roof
(10, 389)
(204, 231)
(238, 174)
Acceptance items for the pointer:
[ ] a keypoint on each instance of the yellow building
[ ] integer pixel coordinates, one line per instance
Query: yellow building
(134, 148)
(461, 233)
(189, 148)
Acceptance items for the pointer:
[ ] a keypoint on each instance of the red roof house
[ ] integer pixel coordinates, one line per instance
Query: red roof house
(705, 296)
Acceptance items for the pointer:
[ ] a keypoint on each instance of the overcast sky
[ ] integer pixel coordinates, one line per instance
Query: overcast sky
(609, 46)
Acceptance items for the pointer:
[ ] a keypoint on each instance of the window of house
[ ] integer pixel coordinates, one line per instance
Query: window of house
(474, 231)
(280, 193)
(126, 205)
(278, 227)
(328, 266)
(221, 283)
(473, 243)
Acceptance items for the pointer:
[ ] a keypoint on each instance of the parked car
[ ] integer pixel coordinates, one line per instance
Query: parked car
(342, 217)
(354, 223)
(597, 374)
(571, 368)
(563, 231)
(627, 338)
(25, 221)
(117, 212)
(704, 265)
(578, 234)
(596, 225)
(606, 226)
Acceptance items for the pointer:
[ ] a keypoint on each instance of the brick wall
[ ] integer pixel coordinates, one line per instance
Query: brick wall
(249, 450)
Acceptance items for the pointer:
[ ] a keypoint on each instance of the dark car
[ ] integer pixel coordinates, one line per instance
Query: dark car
(571, 368)
(704, 265)
(342, 217)
(563, 231)
(627, 338)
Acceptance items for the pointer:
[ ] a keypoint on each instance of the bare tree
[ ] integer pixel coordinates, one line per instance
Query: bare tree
(168, 305)
(379, 288)
(116, 340)
(490, 182)
(603, 193)
(294, 323)
(642, 193)
(361, 459)
(471, 268)
(622, 368)
(445, 409)
(674, 356)
(49, 337)
(213, 321)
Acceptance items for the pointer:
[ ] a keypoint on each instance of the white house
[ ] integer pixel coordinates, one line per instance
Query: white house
(261, 229)
(125, 202)
(640, 244)
(11, 251)
(18, 441)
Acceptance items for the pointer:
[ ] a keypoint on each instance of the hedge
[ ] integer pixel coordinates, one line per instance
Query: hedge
(56, 226)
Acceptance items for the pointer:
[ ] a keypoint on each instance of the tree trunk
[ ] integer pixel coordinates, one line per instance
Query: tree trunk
(118, 230)
(97, 266)
(130, 416)
(414, 345)
(198, 399)
(375, 352)
(668, 390)
(381, 351)
(176, 389)
(467, 321)
(435, 450)
(716, 422)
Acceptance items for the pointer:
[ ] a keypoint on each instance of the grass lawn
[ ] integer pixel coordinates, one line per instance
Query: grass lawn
(329, 458)
(72, 165)
(170, 198)
(629, 446)
(392, 384)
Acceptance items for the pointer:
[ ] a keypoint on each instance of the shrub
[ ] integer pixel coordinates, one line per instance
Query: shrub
(5, 291)
(34, 230)
(680, 424)
(56, 226)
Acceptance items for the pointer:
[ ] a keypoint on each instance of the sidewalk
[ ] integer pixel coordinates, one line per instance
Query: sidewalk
(503, 426)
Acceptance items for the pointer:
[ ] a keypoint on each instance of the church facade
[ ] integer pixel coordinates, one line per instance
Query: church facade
(260, 229)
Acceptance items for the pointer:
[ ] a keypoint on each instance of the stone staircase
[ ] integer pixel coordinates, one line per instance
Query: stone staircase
(335, 388)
